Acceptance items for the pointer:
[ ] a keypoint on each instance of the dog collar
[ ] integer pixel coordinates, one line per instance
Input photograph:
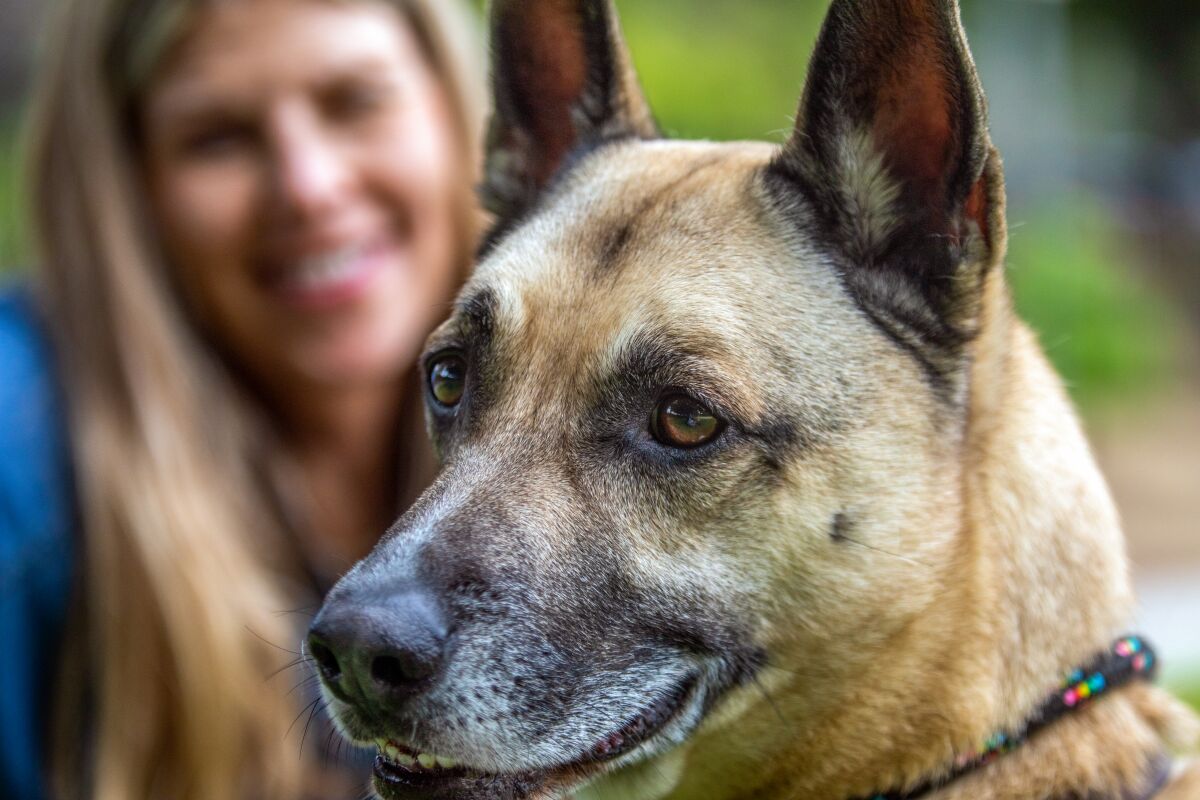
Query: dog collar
(1127, 658)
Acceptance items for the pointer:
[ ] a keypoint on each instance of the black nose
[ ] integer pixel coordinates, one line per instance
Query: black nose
(379, 650)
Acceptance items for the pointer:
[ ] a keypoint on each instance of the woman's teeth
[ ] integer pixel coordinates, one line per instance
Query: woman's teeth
(406, 757)
(326, 269)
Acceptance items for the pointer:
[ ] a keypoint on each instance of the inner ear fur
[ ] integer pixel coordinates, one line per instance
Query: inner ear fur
(891, 153)
(561, 81)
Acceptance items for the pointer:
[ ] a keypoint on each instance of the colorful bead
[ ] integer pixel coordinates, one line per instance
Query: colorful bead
(1128, 646)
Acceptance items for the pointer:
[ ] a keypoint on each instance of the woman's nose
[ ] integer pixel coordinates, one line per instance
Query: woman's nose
(311, 170)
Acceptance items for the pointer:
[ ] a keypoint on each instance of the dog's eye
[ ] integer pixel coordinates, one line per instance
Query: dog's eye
(448, 379)
(680, 421)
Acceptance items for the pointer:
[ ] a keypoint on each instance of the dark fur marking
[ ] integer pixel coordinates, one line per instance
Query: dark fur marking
(798, 203)
(840, 528)
(615, 243)
(939, 382)
(479, 312)
(651, 363)
(781, 436)
(504, 225)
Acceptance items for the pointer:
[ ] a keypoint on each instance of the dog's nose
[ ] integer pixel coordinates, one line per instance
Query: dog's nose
(380, 650)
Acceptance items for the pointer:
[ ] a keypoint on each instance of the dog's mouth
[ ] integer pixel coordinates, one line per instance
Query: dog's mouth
(403, 773)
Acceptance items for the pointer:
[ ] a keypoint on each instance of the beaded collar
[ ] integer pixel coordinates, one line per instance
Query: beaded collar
(1127, 658)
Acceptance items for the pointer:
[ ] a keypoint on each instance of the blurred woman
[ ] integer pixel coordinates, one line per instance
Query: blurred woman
(249, 214)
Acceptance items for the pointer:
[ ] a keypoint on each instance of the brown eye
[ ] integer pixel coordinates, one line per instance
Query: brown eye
(448, 379)
(680, 421)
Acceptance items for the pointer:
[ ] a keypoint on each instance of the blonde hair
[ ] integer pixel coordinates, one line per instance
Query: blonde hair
(177, 593)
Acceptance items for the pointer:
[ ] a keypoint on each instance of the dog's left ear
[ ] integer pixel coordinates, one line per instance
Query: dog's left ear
(561, 81)
(892, 154)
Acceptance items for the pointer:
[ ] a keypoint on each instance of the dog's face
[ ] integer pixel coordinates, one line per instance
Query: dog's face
(699, 411)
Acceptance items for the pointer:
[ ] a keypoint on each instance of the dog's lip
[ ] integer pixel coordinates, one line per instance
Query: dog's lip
(395, 781)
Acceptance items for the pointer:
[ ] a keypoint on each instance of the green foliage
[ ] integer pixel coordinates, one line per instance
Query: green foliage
(722, 69)
(1183, 681)
(13, 250)
(1190, 694)
(1077, 284)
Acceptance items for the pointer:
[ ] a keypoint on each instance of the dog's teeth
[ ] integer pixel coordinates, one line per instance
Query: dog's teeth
(392, 751)
(426, 760)
(404, 759)
(446, 763)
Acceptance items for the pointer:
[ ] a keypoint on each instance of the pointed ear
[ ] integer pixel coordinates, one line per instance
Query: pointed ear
(892, 153)
(561, 81)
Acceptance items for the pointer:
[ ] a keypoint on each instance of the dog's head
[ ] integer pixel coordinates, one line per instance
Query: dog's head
(700, 411)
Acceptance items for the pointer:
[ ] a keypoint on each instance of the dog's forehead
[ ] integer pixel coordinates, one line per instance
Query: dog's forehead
(661, 235)
(675, 245)
(627, 205)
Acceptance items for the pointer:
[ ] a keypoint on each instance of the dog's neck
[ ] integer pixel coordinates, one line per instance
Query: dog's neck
(1128, 659)
(1037, 513)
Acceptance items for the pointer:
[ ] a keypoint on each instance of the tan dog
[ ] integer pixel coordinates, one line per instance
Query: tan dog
(753, 485)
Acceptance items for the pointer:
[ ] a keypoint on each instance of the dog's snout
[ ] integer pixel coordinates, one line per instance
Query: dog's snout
(379, 651)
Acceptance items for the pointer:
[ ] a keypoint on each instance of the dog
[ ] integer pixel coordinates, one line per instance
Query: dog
(752, 486)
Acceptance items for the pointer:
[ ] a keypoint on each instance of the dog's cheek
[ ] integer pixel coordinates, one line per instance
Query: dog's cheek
(863, 535)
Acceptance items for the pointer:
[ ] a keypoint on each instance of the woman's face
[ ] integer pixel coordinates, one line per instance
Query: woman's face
(301, 166)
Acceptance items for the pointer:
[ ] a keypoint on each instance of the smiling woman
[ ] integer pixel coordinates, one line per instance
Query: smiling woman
(303, 238)
(249, 214)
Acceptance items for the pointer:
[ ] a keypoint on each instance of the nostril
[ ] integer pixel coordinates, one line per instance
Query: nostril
(327, 662)
(378, 650)
(389, 671)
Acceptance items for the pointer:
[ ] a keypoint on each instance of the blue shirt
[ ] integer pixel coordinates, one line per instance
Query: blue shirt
(37, 544)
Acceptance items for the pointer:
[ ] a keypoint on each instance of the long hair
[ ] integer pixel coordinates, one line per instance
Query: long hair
(184, 564)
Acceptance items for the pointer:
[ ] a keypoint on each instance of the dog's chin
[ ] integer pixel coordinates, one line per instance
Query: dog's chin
(402, 773)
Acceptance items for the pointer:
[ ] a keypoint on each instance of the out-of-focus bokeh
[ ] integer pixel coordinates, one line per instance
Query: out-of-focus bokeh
(1096, 107)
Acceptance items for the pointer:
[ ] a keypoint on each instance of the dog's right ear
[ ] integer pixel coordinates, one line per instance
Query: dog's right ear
(561, 80)
(892, 157)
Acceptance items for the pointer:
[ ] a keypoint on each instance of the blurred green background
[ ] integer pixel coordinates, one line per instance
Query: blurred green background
(721, 69)
(1096, 106)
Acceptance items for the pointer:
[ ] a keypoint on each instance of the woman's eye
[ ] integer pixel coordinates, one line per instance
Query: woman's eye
(680, 421)
(217, 140)
(448, 380)
(349, 102)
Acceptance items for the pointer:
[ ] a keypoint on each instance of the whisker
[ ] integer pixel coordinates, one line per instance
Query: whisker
(325, 751)
(771, 702)
(307, 723)
(311, 680)
(263, 639)
(308, 611)
(298, 716)
(290, 665)
(843, 537)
